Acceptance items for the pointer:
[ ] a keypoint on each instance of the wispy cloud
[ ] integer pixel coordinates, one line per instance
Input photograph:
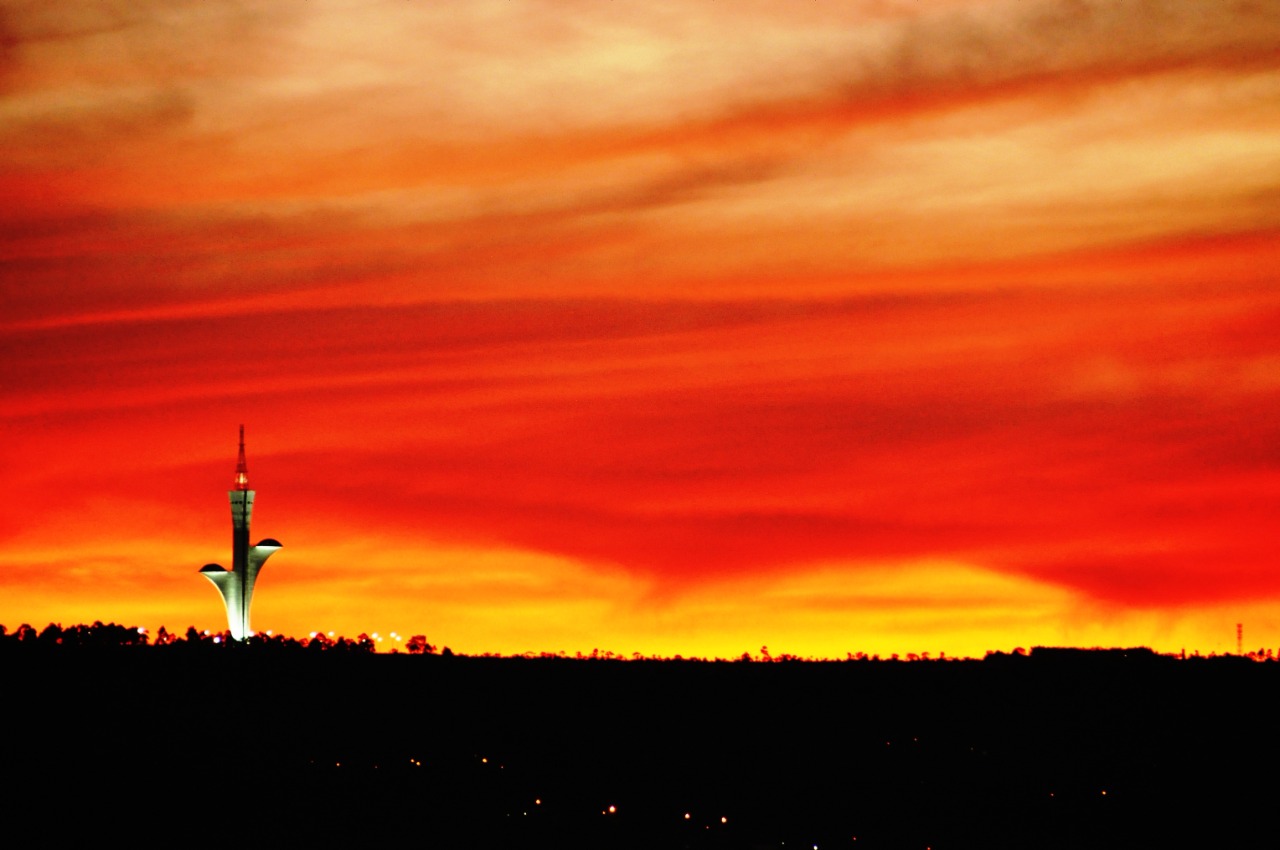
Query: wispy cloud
(681, 306)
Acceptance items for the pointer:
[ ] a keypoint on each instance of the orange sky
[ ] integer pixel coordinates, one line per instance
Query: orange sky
(885, 326)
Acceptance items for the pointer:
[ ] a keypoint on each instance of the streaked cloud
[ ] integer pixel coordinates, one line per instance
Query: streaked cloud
(648, 319)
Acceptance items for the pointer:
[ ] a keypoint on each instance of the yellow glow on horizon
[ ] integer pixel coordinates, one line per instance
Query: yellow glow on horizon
(513, 602)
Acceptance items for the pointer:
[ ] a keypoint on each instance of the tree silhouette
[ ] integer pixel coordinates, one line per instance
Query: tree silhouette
(417, 645)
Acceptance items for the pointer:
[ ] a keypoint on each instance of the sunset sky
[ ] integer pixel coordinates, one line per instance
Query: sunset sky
(874, 325)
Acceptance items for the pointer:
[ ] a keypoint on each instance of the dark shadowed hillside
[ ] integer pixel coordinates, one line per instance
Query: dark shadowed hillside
(1065, 749)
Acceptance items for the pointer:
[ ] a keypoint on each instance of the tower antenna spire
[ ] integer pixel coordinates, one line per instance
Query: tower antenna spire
(242, 466)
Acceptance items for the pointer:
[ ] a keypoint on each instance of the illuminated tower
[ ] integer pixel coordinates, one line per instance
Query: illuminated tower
(236, 584)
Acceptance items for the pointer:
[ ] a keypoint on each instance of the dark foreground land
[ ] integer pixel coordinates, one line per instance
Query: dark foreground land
(1067, 749)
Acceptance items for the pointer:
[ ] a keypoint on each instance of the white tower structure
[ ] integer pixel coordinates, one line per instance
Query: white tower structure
(236, 584)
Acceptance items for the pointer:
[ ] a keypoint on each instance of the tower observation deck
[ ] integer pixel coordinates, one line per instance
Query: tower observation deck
(236, 584)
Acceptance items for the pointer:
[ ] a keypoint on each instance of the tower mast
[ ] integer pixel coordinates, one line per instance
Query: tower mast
(242, 466)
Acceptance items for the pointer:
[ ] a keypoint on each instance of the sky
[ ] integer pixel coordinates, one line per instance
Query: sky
(684, 328)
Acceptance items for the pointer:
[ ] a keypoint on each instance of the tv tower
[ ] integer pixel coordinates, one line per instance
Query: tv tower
(236, 584)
